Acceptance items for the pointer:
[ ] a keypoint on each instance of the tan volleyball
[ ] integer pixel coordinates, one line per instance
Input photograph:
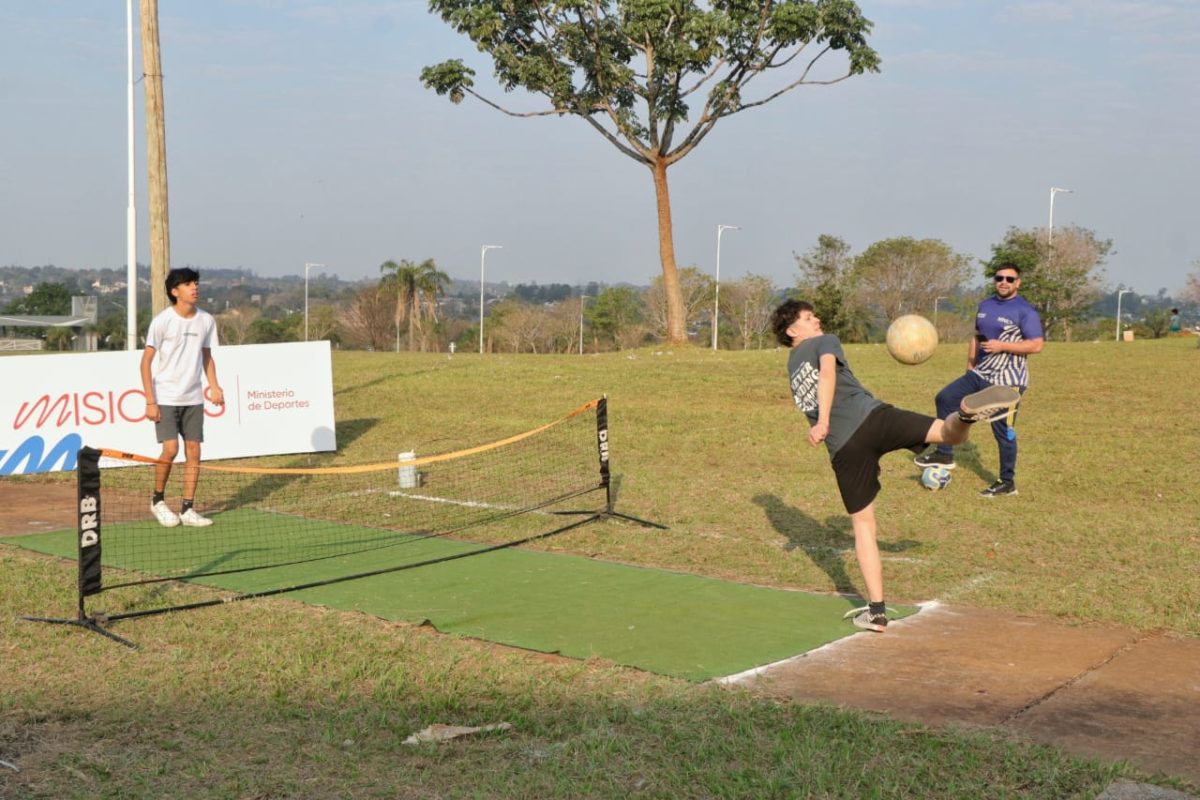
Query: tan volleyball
(911, 339)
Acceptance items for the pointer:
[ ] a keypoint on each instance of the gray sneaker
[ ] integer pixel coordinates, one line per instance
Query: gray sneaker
(863, 618)
(989, 405)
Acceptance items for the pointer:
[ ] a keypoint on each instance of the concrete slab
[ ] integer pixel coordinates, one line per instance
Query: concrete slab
(946, 665)
(1129, 790)
(1104, 693)
(1142, 706)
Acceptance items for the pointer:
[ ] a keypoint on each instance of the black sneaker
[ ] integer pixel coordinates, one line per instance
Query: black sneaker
(999, 488)
(863, 618)
(988, 405)
(935, 459)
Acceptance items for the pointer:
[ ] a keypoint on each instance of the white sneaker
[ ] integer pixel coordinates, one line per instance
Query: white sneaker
(163, 513)
(193, 520)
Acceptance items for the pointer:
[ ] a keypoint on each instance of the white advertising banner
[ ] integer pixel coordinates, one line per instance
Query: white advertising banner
(278, 399)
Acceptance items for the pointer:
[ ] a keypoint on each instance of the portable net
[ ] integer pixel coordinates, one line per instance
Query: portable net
(278, 529)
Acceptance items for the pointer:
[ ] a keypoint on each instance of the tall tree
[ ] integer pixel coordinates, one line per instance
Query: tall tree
(617, 313)
(417, 288)
(365, 320)
(431, 285)
(634, 69)
(696, 291)
(827, 280)
(322, 323)
(1061, 288)
(748, 305)
(905, 275)
(233, 325)
(1157, 321)
(1191, 292)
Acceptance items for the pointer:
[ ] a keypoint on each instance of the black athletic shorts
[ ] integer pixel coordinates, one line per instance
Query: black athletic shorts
(856, 463)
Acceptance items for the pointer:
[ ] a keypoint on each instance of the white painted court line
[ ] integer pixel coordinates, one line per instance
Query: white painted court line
(741, 677)
(448, 501)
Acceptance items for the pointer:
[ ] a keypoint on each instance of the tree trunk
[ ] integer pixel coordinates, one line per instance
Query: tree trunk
(412, 320)
(156, 157)
(676, 324)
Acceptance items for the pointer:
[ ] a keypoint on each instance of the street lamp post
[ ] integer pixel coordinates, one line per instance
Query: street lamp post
(717, 294)
(935, 309)
(1121, 293)
(307, 267)
(482, 260)
(582, 298)
(1050, 228)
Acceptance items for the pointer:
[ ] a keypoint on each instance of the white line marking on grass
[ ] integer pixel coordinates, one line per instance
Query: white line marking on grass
(464, 503)
(969, 585)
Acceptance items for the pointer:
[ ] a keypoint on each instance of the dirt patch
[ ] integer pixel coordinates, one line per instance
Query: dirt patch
(27, 507)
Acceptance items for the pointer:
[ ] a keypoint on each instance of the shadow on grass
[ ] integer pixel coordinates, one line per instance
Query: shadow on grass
(826, 544)
(967, 456)
(387, 377)
(349, 430)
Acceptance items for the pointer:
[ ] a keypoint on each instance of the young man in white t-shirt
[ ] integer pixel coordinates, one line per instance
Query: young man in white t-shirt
(178, 351)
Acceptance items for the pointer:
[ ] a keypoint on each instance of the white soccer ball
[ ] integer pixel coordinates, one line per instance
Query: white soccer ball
(935, 478)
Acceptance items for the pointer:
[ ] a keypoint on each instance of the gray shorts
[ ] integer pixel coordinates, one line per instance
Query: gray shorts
(186, 421)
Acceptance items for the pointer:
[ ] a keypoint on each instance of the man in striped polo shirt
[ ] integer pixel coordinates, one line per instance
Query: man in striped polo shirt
(1007, 331)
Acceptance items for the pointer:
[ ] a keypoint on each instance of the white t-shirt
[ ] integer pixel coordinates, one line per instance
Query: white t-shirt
(178, 344)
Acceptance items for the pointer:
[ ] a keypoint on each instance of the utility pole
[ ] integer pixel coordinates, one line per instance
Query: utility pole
(156, 157)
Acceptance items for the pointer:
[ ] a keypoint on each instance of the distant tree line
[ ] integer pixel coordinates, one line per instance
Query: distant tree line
(856, 295)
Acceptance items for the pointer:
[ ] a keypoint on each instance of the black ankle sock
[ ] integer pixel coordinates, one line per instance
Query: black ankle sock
(186, 505)
(876, 609)
(158, 497)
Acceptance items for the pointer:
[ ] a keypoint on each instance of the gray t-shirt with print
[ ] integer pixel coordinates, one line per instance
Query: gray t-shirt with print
(851, 401)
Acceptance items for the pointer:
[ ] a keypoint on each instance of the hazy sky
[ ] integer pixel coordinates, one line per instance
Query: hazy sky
(297, 130)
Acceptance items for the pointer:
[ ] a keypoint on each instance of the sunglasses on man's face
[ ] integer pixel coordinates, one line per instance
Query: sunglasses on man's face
(1006, 278)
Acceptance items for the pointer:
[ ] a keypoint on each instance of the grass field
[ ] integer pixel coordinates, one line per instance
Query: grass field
(275, 699)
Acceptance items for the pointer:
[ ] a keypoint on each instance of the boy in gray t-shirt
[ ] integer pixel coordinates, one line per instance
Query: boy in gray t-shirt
(854, 401)
(858, 429)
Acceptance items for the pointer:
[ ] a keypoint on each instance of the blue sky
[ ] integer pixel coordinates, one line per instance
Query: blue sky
(298, 131)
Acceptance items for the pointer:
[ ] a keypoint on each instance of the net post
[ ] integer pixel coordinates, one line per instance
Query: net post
(87, 510)
(605, 477)
(602, 448)
(87, 515)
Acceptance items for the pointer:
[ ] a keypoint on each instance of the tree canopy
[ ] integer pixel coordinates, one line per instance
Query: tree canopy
(905, 275)
(1191, 292)
(417, 288)
(640, 72)
(1061, 283)
(828, 281)
(46, 299)
(617, 314)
